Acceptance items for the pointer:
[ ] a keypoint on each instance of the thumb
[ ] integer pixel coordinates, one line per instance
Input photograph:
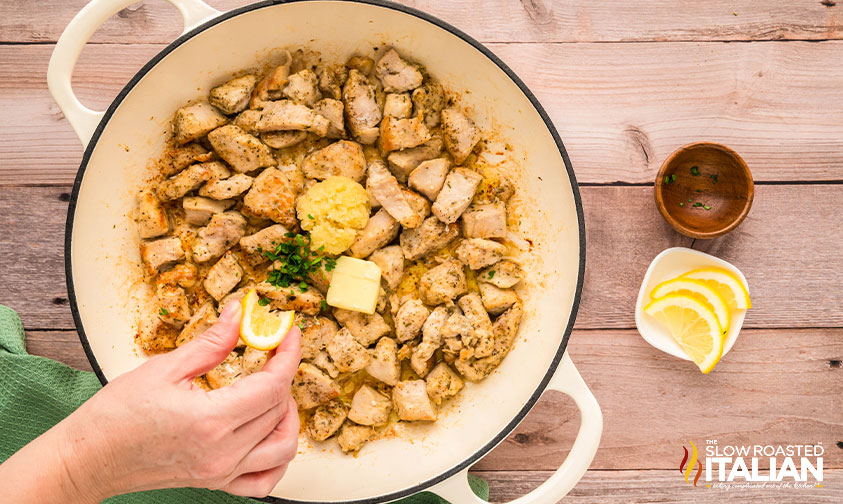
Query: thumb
(207, 350)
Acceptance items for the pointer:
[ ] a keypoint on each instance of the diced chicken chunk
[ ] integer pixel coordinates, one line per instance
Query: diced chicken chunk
(227, 372)
(233, 96)
(154, 335)
(479, 338)
(241, 150)
(272, 196)
(362, 64)
(381, 229)
(308, 301)
(478, 253)
(348, 355)
(391, 262)
(236, 296)
(269, 88)
(396, 74)
(365, 328)
(331, 79)
(326, 420)
(429, 100)
(332, 110)
(429, 177)
(485, 221)
(497, 300)
(177, 159)
(369, 407)
(402, 163)
(264, 240)
(398, 105)
(159, 253)
(409, 319)
(399, 134)
(286, 115)
(384, 365)
(412, 402)
(190, 179)
(431, 236)
(183, 275)
(361, 108)
(342, 158)
(461, 134)
(248, 121)
(222, 233)
(443, 283)
(196, 121)
(443, 383)
(223, 276)
(456, 194)
(226, 188)
(316, 333)
(422, 357)
(503, 275)
(283, 139)
(202, 320)
(504, 329)
(390, 195)
(198, 210)
(323, 361)
(254, 360)
(352, 437)
(152, 217)
(302, 87)
(311, 387)
(173, 307)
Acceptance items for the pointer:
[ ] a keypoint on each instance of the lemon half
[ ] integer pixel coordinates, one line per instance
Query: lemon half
(261, 328)
(729, 286)
(694, 326)
(700, 290)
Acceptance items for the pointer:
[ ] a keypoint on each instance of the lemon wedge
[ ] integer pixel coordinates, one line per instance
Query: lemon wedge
(261, 328)
(725, 282)
(694, 326)
(700, 290)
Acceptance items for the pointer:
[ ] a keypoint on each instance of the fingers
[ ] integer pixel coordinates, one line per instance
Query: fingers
(210, 348)
(255, 430)
(278, 447)
(256, 484)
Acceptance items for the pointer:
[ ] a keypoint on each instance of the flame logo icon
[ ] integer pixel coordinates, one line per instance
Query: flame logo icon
(686, 470)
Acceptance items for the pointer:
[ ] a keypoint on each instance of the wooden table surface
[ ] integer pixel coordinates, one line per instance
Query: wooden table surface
(625, 83)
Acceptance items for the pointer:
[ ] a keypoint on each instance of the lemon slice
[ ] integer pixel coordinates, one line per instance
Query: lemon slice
(261, 328)
(693, 324)
(700, 290)
(729, 286)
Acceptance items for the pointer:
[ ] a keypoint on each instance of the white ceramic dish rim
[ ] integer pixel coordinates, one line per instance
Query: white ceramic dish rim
(558, 357)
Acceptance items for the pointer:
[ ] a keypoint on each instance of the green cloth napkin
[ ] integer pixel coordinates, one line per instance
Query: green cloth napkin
(36, 393)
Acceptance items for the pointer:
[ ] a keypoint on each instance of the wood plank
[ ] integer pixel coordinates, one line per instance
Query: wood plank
(621, 109)
(787, 248)
(625, 487)
(63, 346)
(503, 21)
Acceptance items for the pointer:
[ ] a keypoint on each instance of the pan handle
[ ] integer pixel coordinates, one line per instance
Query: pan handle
(567, 380)
(74, 38)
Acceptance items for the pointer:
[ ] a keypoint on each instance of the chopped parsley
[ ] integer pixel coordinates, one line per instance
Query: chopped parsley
(695, 171)
(309, 216)
(263, 301)
(697, 204)
(669, 179)
(706, 207)
(713, 178)
(491, 274)
(296, 262)
(681, 203)
(163, 312)
(323, 305)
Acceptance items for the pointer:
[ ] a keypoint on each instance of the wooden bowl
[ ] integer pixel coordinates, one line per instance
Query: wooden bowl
(704, 190)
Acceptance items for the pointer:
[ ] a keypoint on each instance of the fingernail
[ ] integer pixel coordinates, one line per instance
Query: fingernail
(231, 311)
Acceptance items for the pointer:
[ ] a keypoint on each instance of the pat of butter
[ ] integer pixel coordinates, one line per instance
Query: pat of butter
(355, 285)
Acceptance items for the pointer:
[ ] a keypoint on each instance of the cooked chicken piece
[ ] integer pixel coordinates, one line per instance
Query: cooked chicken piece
(504, 330)
(270, 87)
(227, 372)
(431, 236)
(352, 437)
(198, 210)
(264, 240)
(241, 150)
(236, 296)
(195, 121)
(422, 357)
(478, 253)
(400, 134)
(398, 105)
(286, 115)
(496, 300)
(233, 96)
(302, 87)
(365, 328)
(308, 302)
(248, 121)
(254, 360)
(152, 217)
(461, 134)
(173, 307)
(183, 275)
(160, 253)
(323, 361)
(411, 401)
(369, 407)
(342, 158)
(332, 110)
(311, 387)
(227, 188)
(504, 275)
(202, 320)
(402, 163)
(443, 383)
(362, 64)
(190, 179)
(283, 139)
(348, 355)
(429, 177)
(417, 202)
(389, 194)
(456, 194)
(223, 276)
(361, 109)
(485, 221)
(326, 420)
(222, 233)
(429, 100)
(155, 336)
(272, 196)
(316, 332)
(396, 74)
(177, 159)
(443, 283)
(479, 338)
(320, 278)
(391, 262)
(384, 365)
(381, 229)
(331, 79)
(409, 319)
